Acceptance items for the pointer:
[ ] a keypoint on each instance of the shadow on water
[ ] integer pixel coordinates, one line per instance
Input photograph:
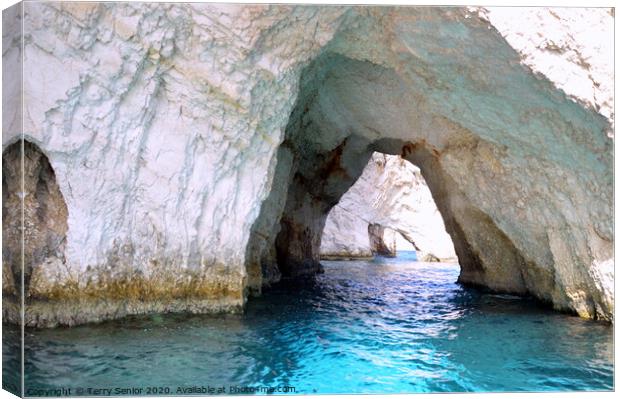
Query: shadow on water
(382, 326)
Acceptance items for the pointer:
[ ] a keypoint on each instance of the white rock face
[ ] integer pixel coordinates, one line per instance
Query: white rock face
(572, 47)
(390, 192)
(346, 234)
(199, 148)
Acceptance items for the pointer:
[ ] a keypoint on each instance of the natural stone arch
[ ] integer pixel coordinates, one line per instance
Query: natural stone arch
(378, 246)
(333, 130)
(392, 193)
(186, 159)
(44, 214)
(323, 160)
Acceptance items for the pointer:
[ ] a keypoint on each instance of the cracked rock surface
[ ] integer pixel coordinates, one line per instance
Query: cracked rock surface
(198, 148)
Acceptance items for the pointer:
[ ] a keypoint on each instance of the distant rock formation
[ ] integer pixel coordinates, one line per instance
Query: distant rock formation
(391, 193)
(378, 246)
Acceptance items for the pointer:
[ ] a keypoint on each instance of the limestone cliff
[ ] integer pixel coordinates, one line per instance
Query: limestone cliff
(392, 193)
(198, 149)
(570, 46)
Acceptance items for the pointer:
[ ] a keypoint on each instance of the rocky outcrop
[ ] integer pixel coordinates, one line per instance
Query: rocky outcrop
(200, 147)
(345, 236)
(378, 246)
(392, 193)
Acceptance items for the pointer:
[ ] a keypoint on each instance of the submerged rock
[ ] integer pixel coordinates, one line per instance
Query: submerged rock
(430, 258)
(199, 148)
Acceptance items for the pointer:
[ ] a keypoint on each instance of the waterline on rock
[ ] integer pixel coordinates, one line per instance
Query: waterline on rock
(382, 326)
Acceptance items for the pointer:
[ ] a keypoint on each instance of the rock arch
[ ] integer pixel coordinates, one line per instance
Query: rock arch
(348, 108)
(215, 156)
(391, 192)
(377, 243)
(44, 214)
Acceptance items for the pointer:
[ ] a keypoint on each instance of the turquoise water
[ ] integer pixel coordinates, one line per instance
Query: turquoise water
(383, 326)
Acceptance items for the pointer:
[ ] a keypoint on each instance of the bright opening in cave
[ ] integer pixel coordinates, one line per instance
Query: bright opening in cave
(346, 111)
(349, 113)
(389, 208)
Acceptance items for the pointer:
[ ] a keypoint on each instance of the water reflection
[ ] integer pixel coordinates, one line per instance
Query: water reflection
(390, 325)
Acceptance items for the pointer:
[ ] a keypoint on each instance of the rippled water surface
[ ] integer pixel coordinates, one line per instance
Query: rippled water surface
(389, 325)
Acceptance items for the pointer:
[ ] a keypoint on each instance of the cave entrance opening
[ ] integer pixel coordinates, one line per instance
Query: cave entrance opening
(30, 195)
(346, 111)
(388, 209)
